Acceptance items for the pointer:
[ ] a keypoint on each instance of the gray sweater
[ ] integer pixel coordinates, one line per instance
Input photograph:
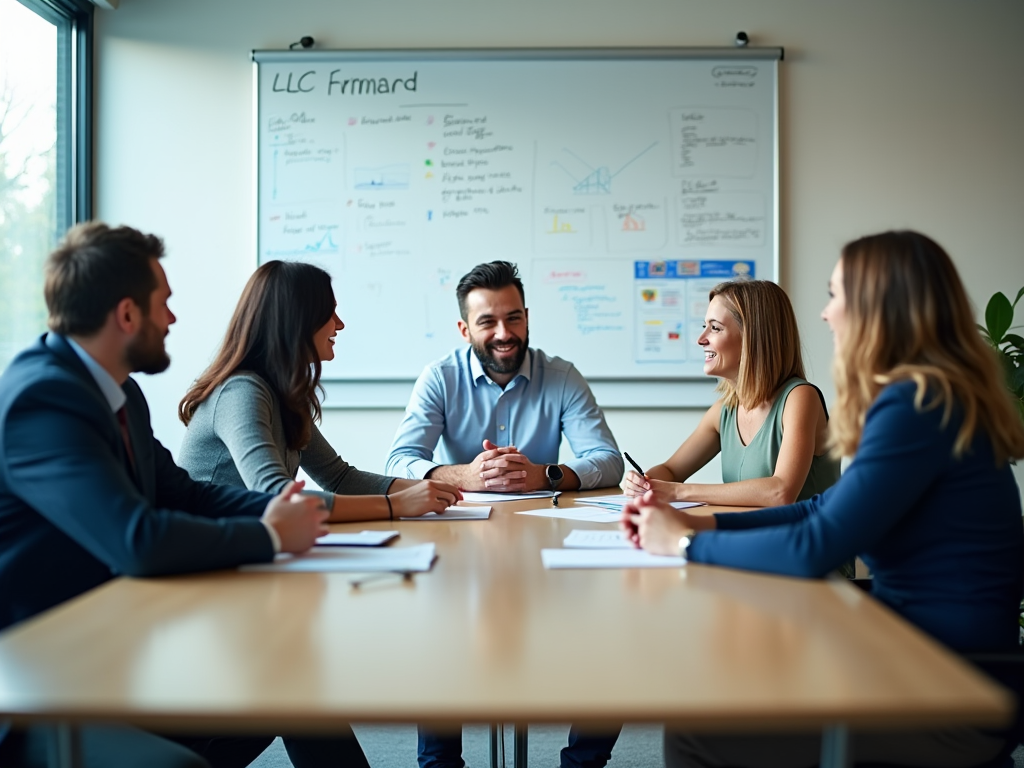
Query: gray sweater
(236, 437)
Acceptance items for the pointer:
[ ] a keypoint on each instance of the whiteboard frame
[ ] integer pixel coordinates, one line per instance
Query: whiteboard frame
(610, 392)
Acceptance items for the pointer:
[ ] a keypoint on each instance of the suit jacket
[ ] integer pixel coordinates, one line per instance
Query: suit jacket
(73, 511)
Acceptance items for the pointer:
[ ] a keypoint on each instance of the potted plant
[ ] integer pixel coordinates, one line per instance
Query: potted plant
(1009, 346)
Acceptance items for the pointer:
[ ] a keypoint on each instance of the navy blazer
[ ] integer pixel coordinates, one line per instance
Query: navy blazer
(73, 511)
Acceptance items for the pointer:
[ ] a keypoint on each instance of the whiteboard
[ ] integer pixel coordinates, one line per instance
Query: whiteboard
(624, 183)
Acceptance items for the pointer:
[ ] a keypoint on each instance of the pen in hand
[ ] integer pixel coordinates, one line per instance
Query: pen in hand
(635, 465)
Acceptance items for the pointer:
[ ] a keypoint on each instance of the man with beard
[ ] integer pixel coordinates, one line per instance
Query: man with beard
(499, 409)
(87, 493)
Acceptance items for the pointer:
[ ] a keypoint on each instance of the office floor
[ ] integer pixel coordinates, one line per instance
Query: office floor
(395, 747)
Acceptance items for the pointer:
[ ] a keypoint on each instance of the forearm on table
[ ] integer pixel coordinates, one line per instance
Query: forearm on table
(454, 474)
(759, 492)
(346, 509)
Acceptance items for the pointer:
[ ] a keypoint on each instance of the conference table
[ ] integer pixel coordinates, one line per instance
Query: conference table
(487, 636)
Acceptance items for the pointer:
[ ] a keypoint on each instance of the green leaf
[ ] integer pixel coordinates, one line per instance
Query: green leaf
(1015, 341)
(998, 316)
(1019, 294)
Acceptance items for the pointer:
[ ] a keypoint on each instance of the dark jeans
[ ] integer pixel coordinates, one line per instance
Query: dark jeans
(585, 750)
(124, 747)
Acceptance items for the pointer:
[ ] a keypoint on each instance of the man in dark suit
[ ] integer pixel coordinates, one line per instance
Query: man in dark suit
(87, 493)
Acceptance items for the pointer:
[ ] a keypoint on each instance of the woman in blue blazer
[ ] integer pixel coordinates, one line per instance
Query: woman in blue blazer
(923, 410)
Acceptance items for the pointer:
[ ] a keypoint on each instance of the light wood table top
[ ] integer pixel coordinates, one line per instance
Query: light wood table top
(488, 635)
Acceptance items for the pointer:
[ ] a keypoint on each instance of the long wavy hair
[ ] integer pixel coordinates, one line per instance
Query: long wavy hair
(271, 334)
(771, 341)
(908, 317)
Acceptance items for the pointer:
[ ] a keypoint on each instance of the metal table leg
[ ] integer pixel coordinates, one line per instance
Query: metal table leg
(65, 747)
(519, 755)
(497, 761)
(835, 751)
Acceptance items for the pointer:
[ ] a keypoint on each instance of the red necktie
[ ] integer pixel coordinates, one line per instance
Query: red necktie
(122, 419)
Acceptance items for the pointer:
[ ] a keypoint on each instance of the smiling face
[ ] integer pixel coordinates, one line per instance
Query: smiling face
(323, 339)
(834, 312)
(496, 326)
(722, 341)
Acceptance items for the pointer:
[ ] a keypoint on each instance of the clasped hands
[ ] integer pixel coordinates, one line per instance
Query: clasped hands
(651, 523)
(503, 470)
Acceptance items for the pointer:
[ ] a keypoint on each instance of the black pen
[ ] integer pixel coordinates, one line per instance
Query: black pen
(635, 465)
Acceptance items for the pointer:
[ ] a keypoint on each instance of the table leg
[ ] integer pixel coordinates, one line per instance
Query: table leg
(496, 760)
(65, 747)
(519, 755)
(835, 751)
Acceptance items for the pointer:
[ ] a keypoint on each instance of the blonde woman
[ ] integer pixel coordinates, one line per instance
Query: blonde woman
(923, 410)
(770, 425)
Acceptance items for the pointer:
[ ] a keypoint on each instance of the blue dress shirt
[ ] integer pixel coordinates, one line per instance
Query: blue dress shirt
(454, 401)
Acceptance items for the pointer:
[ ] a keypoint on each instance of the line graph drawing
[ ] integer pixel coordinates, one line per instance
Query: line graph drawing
(325, 244)
(383, 177)
(595, 181)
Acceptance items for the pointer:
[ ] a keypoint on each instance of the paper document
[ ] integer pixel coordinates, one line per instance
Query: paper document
(592, 515)
(351, 560)
(617, 502)
(456, 513)
(606, 558)
(476, 496)
(584, 539)
(361, 539)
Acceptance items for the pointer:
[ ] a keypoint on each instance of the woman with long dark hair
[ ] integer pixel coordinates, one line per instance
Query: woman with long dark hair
(928, 502)
(252, 415)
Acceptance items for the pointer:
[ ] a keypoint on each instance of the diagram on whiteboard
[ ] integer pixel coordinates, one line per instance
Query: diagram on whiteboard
(388, 177)
(624, 187)
(588, 179)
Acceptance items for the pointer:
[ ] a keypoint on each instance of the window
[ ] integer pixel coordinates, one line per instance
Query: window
(45, 150)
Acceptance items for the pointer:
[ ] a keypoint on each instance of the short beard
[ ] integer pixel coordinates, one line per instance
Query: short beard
(146, 352)
(488, 361)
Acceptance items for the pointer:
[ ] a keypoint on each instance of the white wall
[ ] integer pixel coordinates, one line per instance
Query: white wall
(907, 114)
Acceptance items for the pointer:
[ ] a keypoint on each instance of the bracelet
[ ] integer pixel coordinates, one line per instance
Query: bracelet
(391, 511)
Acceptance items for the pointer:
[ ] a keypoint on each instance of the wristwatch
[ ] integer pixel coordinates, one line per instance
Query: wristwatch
(685, 542)
(554, 474)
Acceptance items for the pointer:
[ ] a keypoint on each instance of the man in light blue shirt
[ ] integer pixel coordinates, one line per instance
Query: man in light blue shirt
(499, 408)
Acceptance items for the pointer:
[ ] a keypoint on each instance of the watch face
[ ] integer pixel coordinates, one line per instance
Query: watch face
(554, 473)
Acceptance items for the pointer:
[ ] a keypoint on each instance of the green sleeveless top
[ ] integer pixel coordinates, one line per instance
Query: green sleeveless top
(757, 459)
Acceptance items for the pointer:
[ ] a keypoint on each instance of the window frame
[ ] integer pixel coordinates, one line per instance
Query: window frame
(74, 22)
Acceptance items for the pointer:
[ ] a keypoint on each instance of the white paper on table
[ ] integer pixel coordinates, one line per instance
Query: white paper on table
(455, 513)
(361, 539)
(590, 539)
(606, 558)
(351, 560)
(477, 496)
(595, 515)
(617, 502)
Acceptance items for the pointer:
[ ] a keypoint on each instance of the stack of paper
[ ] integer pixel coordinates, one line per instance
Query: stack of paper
(361, 539)
(576, 513)
(352, 560)
(617, 502)
(590, 539)
(455, 513)
(475, 496)
(606, 558)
